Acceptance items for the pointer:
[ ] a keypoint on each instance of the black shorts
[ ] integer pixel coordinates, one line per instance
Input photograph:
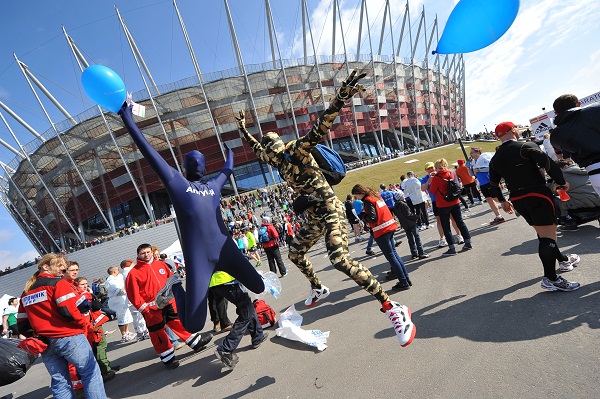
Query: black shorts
(486, 190)
(536, 208)
(14, 330)
(253, 249)
(435, 208)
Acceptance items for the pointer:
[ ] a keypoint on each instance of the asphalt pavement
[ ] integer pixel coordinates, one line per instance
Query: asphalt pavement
(485, 329)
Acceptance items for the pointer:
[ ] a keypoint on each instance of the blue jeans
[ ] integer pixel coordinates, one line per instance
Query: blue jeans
(445, 213)
(77, 351)
(414, 241)
(388, 247)
(370, 242)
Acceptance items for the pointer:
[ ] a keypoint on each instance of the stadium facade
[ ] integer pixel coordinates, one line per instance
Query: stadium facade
(84, 177)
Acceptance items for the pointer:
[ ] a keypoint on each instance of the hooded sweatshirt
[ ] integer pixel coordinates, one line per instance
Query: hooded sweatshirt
(440, 188)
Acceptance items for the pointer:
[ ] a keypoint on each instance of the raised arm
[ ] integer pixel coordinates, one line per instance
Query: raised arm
(322, 126)
(254, 144)
(227, 169)
(164, 171)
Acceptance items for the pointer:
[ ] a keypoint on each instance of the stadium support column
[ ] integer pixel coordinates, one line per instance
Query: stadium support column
(463, 95)
(365, 13)
(82, 63)
(406, 17)
(141, 64)
(201, 85)
(240, 60)
(386, 14)
(320, 82)
(27, 204)
(52, 197)
(412, 61)
(29, 77)
(427, 48)
(439, 82)
(23, 225)
(450, 133)
(273, 38)
(336, 7)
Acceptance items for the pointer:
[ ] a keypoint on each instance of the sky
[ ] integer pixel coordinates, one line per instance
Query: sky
(551, 49)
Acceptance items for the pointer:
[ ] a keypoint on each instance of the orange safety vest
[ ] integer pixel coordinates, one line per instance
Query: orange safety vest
(385, 221)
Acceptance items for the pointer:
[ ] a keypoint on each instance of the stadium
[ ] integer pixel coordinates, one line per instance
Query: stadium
(84, 177)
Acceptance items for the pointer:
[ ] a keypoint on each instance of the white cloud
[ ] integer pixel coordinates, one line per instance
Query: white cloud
(516, 76)
(13, 259)
(6, 235)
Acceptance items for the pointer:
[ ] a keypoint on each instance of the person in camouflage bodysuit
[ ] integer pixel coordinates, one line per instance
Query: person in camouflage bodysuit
(326, 215)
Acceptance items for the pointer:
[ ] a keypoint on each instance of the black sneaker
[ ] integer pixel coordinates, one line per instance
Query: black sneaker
(171, 364)
(227, 358)
(108, 376)
(264, 338)
(414, 257)
(424, 256)
(197, 342)
(370, 253)
(466, 247)
(401, 287)
(450, 252)
(390, 276)
(398, 242)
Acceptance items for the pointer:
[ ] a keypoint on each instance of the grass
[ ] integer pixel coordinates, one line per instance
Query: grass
(390, 171)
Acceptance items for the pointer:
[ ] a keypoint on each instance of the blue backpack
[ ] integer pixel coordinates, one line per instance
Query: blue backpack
(263, 235)
(330, 163)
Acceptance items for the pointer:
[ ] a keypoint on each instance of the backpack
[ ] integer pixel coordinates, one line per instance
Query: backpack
(329, 161)
(266, 314)
(453, 190)
(263, 235)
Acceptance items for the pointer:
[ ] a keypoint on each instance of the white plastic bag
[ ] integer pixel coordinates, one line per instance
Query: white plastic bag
(289, 328)
(272, 285)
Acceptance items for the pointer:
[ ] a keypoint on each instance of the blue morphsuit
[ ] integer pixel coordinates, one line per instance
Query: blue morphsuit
(205, 241)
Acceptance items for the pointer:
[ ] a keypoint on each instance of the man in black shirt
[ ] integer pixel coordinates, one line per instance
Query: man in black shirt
(519, 164)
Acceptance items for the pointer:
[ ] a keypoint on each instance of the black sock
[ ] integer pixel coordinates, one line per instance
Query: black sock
(547, 252)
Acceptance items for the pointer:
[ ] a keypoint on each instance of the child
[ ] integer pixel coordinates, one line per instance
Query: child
(408, 221)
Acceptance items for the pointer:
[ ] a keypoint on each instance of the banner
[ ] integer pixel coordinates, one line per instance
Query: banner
(594, 98)
(541, 125)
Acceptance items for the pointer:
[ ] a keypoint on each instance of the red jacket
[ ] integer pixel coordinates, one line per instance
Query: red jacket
(439, 187)
(273, 235)
(49, 309)
(385, 221)
(144, 281)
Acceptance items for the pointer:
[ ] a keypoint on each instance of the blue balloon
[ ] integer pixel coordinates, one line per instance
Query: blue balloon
(475, 24)
(104, 87)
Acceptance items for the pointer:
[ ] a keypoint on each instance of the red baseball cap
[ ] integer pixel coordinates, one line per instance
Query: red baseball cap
(502, 128)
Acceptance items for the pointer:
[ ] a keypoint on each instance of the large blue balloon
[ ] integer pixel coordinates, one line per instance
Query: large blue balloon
(475, 24)
(104, 87)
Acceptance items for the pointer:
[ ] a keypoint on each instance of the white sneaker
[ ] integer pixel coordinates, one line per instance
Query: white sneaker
(567, 266)
(403, 326)
(442, 243)
(315, 295)
(460, 239)
(165, 294)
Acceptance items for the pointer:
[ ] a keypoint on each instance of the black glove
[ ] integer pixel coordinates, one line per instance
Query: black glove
(350, 86)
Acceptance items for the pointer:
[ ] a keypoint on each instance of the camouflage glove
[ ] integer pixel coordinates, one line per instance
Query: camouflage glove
(350, 86)
(241, 120)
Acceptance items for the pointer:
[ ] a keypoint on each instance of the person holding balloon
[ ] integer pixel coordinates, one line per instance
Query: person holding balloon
(195, 199)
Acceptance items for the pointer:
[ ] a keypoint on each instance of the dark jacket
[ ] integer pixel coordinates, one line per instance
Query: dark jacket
(407, 219)
(578, 131)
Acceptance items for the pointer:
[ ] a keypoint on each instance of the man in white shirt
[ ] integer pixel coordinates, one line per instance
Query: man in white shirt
(412, 189)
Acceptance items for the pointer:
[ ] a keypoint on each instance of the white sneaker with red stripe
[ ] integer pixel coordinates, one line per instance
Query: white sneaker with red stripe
(400, 317)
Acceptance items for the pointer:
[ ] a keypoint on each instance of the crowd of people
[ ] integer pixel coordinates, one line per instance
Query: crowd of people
(147, 292)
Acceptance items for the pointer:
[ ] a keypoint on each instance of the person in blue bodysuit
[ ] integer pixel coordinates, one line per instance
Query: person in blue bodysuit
(205, 241)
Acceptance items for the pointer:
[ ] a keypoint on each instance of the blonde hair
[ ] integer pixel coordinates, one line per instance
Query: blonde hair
(441, 163)
(111, 269)
(47, 260)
